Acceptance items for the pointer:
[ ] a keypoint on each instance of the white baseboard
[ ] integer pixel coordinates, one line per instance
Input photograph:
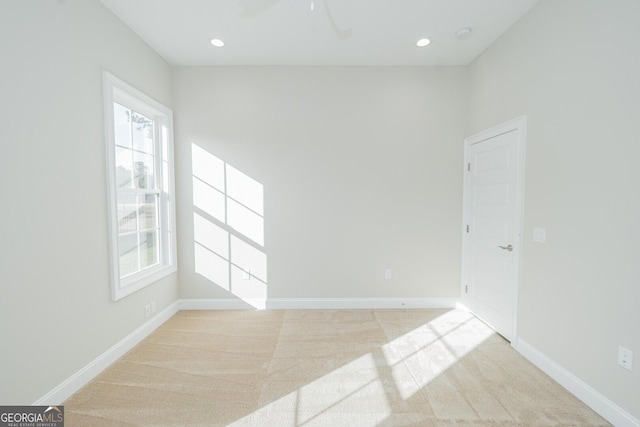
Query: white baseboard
(359, 303)
(592, 398)
(316, 303)
(86, 374)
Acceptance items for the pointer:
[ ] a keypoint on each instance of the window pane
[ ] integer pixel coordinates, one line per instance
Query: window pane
(142, 130)
(148, 211)
(122, 125)
(148, 248)
(140, 147)
(124, 168)
(128, 251)
(127, 212)
(144, 171)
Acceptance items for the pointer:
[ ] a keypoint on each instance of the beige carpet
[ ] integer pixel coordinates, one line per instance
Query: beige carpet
(325, 368)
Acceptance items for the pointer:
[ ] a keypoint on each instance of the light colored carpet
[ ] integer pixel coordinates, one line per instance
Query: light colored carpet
(325, 368)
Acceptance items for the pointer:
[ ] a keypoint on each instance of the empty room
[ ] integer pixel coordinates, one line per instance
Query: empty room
(320, 212)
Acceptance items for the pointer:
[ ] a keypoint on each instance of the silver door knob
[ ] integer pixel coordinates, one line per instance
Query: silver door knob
(507, 248)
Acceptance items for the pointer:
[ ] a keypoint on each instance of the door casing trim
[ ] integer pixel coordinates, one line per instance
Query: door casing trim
(519, 124)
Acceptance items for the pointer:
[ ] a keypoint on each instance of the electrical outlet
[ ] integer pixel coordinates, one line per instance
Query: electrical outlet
(387, 273)
(625, 358)
(153, 307)
(147, 310)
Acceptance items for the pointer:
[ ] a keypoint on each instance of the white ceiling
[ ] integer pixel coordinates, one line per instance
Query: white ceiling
(288, 32)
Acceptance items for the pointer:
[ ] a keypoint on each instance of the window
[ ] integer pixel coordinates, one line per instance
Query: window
(139, 142)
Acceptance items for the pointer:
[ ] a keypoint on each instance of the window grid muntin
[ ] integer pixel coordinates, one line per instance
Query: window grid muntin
(151, 187)
(141, 229)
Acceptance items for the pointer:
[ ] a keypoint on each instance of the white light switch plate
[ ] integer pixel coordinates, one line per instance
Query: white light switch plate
(539, 235)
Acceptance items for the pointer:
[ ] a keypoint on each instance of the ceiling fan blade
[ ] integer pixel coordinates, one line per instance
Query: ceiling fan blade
(340, 13)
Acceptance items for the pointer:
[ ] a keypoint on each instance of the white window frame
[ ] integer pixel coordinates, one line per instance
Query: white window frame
(116, 90)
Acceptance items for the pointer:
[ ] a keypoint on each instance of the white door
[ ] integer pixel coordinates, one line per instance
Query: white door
(494, 179)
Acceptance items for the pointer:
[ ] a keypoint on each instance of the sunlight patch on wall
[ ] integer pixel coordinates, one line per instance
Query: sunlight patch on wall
(207, 167)
(211, 236)
(209, 200)
(245, 221)
(212, 266)
(245, 190)
(228, 228)
(248, 258)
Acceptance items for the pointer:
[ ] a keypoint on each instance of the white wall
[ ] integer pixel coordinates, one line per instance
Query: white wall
(56, 314)
(361, 169)
(572, 66)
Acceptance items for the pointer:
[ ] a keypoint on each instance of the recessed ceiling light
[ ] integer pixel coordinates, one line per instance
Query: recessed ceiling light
(217, 42)
(463, 33)
(423, 42)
